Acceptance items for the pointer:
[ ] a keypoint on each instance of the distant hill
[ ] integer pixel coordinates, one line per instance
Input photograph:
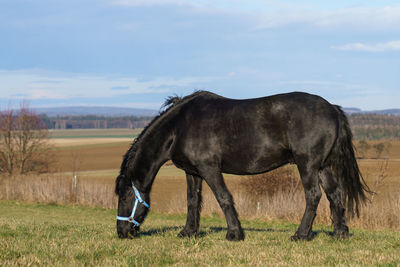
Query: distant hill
(98, 111)
(352, 110)
(380, 112)
(386, 112)
(138, 112)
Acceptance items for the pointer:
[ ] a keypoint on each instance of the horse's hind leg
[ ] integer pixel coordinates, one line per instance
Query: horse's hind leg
(333, 192)
(309, 178)
(216, 182)
(194, 186)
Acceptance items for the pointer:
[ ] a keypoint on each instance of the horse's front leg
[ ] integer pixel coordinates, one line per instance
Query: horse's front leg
(194, 186)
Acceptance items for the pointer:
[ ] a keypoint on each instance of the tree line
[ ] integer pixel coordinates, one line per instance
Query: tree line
(375, 126)
(94, 122)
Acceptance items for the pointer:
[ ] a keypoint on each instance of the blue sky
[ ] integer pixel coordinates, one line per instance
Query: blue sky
(134, 53)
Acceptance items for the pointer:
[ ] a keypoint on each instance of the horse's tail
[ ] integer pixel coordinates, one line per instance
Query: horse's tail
(344, 167)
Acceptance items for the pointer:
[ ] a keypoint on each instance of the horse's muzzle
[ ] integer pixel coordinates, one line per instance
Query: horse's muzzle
(128, 231)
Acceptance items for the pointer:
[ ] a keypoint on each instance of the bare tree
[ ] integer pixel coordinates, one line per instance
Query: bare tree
(7, 147)
(24, 143)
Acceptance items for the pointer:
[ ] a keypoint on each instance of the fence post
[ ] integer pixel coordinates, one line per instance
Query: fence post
(75, 188)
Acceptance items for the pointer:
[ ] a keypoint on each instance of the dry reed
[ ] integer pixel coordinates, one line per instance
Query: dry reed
(379, 213)
(57, 188)
(382, 214)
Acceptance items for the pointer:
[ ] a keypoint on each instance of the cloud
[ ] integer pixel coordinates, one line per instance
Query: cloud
(43, 94)
(374, 17)
(135, 3)
(361, 18)
(120, 88)
(275, 14)
(379, 47)
(33, 84)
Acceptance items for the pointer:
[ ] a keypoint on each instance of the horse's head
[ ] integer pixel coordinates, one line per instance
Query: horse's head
(132, 207)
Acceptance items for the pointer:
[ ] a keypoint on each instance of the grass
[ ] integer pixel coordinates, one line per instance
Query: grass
(37, 234)
(95, 136)
(90, 133)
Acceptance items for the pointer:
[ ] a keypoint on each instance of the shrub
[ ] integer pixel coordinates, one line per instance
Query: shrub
(283, 179)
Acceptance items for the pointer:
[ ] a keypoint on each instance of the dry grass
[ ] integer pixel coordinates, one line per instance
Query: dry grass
(58, 189)
(169, 196)
(378, 214)
(382, 212)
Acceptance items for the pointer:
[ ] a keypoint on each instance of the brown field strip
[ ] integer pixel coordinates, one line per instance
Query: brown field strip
(91, 155)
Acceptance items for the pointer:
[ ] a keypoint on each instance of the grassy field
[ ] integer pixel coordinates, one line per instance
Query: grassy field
(55, 234)
(37, 234)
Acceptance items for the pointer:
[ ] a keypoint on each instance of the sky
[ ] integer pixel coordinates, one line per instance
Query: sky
(135, 53)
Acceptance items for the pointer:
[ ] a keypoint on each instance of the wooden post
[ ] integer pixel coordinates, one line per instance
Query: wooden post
(75, 188)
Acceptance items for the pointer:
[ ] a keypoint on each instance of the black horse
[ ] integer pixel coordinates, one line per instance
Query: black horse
(206, 135)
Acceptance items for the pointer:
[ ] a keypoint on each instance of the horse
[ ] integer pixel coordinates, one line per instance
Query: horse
(206, 135)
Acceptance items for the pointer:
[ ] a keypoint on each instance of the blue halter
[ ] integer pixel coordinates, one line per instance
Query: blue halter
(138, 200)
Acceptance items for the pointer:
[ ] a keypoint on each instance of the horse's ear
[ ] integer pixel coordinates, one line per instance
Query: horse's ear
(119, 185)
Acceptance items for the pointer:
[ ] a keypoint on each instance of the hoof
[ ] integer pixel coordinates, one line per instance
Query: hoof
(235, 235)
(297, 237)
(186, 233)
(341, 234)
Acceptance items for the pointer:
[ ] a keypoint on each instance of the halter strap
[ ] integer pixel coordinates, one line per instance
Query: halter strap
(138, 199)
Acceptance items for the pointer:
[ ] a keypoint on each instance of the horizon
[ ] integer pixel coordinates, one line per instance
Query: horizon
(134, 53)
(155, 109)
(52, 109)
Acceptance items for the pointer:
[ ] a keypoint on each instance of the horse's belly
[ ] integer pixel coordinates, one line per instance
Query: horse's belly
(245, 163)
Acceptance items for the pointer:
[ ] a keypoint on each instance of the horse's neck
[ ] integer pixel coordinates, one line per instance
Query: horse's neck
(153, 152)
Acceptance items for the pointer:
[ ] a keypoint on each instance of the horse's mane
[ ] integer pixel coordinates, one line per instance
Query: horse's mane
(170, 103)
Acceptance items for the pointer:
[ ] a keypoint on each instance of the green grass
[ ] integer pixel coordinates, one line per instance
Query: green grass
(95, 136)
(95, 133)
(37, 234)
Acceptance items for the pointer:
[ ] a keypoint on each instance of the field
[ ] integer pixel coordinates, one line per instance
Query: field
(98, 159)
(37, 234)
(61, 233)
